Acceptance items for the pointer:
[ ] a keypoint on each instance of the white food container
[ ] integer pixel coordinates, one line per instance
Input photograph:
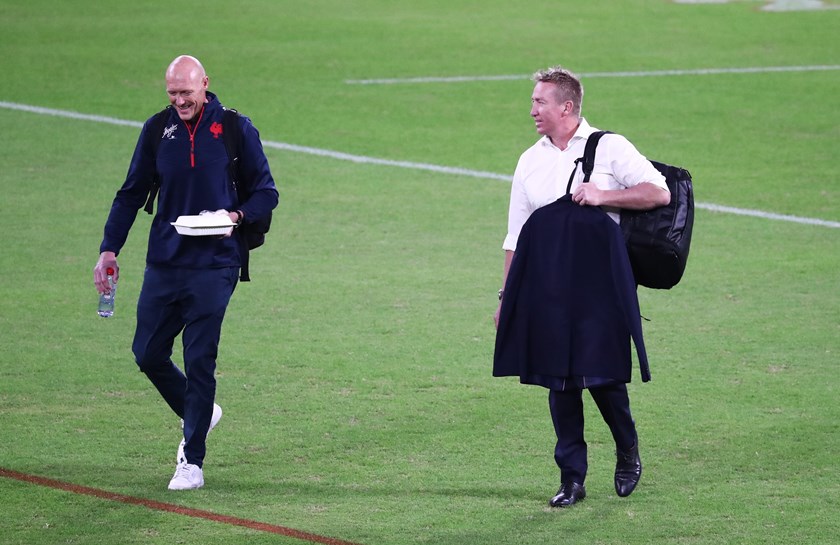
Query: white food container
(204, 225)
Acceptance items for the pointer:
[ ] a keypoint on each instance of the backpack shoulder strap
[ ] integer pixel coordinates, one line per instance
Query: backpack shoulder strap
(156, 127)
(588, 158)
(589, 153)
(232, 136)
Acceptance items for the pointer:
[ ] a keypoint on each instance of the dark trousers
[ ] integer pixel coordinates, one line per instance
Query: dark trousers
(567, 414)
(193, 302)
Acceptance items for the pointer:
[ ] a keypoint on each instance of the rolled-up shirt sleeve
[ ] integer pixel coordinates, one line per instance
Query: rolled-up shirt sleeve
(629, 167)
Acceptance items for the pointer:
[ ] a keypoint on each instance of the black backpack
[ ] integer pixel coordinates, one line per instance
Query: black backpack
(252, 235)
(658, 240)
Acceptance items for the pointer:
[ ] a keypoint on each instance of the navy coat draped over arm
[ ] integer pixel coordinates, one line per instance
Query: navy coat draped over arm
(570, 306)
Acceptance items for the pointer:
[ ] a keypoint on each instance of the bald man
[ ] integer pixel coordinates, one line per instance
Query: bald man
(188, 280)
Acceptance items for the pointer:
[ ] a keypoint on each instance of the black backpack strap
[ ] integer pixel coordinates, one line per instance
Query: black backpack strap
(572, 175)
(156, 127)
(232, 137)
(588, 158)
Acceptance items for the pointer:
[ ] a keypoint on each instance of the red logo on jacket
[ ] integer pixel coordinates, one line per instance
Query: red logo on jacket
(216, 129)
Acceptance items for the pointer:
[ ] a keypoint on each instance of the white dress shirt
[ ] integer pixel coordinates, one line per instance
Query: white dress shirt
(543, 172)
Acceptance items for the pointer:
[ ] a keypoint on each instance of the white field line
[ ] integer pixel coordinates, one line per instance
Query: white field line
(696, 72)
(405, 164)
(68, 114)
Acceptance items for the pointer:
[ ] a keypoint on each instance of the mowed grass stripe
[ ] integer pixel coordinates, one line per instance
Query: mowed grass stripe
(341, 156)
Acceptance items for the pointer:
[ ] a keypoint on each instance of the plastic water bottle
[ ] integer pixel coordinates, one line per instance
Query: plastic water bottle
(106, 300)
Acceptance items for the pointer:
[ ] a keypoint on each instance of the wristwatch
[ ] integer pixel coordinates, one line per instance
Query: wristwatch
(501, 294)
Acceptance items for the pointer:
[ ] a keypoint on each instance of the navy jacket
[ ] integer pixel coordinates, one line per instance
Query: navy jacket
(193, 177)
(570, 306)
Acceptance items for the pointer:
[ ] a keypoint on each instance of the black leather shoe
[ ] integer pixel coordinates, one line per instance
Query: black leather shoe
(628, 470)
(568, 495)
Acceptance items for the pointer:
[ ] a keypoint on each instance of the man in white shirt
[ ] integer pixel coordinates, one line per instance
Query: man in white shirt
(622, 178)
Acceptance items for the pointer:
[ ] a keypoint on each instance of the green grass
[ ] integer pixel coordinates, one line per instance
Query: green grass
(355, 369)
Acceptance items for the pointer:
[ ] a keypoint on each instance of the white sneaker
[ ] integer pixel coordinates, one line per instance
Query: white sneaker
(187, 477)
(217, 415)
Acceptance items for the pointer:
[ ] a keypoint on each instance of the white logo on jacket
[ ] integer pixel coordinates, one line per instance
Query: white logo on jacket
(169, 132)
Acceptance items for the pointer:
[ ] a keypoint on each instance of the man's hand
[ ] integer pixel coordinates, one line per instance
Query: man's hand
(234, 217)
(589, 195)
(100, 271)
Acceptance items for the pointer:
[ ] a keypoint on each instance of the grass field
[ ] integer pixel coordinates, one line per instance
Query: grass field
(355, 368)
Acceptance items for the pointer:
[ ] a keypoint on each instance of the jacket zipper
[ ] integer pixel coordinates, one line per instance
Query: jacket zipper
(192, 137)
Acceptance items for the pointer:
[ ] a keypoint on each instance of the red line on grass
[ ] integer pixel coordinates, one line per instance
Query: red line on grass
(172, 508)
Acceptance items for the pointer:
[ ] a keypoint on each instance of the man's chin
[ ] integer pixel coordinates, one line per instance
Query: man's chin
(186, 115)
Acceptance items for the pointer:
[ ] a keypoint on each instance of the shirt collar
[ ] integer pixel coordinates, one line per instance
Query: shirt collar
(582, 133)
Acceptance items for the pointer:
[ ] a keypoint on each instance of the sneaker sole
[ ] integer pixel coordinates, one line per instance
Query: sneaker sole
(186, 487)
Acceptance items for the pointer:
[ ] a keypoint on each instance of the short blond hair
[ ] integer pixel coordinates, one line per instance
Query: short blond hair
(568, 86)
